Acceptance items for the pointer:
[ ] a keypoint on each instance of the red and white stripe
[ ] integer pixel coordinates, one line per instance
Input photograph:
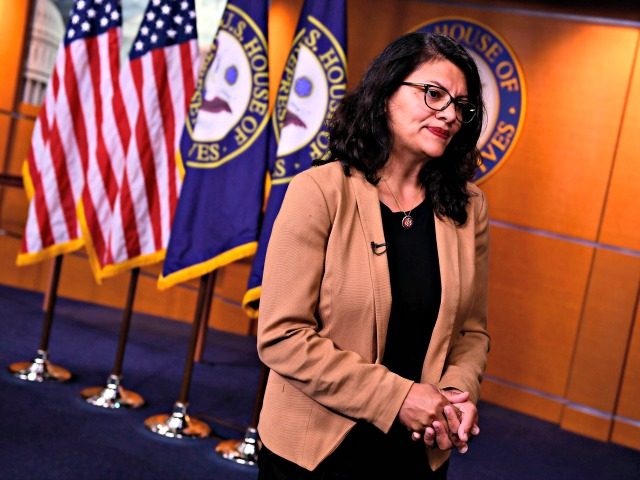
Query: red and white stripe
(56, 163)
(157, 88)
(106, 139)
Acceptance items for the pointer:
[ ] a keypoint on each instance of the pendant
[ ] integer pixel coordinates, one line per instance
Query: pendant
(407, 222)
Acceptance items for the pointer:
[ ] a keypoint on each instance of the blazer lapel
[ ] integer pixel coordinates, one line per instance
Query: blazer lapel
(369, 211)
(447, 241)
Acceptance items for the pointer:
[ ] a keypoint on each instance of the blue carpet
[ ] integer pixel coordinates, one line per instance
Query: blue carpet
(48, 432)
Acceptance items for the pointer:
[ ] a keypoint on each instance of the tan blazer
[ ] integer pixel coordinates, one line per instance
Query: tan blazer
(325, 306)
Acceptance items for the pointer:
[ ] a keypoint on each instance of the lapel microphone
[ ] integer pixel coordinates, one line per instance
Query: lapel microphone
(378, 248)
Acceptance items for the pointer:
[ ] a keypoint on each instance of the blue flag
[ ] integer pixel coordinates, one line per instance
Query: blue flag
(313, 83)
(223, 150)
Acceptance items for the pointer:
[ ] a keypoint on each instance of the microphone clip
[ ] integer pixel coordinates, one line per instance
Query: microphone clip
(378, 248)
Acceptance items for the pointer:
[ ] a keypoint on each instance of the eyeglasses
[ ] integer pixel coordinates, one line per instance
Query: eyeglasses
(438, 99)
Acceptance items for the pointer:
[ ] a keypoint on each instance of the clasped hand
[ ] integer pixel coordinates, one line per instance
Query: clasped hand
(442, 418)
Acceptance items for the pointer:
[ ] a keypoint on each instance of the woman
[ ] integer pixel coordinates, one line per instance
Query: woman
(373, 307)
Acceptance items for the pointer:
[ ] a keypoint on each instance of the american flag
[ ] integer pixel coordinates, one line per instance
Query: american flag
(68, 140)
(157, 84)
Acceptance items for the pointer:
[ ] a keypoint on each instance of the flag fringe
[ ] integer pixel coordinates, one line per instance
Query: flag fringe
(250, 302)
(27, 181)
(199, 269)
(48, 253)
(135, 262)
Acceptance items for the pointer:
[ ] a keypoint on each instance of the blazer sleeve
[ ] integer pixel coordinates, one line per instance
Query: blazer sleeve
(288, 327)
(467, 358)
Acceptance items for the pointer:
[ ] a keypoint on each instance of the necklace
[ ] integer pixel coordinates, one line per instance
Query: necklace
(407, 220)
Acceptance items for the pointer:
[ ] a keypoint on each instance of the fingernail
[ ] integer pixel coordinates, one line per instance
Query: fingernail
(464, 449)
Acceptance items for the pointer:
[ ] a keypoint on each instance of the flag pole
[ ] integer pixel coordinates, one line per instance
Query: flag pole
(245, 451)
(40, 369)
(179, 424)
(202, 333)
(113, 395)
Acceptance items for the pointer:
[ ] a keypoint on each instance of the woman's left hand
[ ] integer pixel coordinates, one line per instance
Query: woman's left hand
(468, 422)
(462, 421)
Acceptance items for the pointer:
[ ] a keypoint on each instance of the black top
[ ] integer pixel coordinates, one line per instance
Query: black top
(415, 288)
(415, 301)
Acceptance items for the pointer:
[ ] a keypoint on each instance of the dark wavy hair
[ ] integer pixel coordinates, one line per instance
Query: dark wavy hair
(359, 135)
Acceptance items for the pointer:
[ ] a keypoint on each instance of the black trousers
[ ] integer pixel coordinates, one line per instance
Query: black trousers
(366, 453)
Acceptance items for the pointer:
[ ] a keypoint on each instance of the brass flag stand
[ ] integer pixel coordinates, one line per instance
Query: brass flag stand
(113, 395)
(179, 424)
(40, 369)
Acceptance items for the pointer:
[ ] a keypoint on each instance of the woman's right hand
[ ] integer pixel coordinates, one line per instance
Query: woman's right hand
(423, 410)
